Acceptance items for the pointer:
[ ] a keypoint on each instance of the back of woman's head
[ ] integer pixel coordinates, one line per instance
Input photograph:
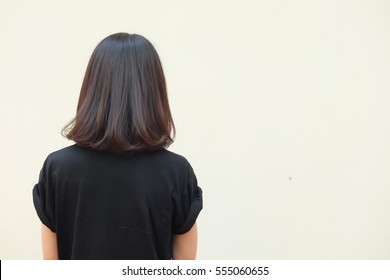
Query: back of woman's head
(123, 104)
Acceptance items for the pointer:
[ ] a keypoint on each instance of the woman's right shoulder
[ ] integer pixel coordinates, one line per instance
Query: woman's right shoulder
(173, 157)
(169, 161)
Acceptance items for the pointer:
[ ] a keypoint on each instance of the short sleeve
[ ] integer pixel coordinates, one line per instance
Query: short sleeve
(188, 202)
(43, 198)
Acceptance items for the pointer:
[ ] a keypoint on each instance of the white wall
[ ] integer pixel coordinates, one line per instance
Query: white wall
(282, 107)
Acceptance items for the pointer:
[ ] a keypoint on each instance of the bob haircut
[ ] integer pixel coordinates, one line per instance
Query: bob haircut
(123, 104)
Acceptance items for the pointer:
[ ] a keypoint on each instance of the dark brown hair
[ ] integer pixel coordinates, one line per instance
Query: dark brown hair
(123, 104)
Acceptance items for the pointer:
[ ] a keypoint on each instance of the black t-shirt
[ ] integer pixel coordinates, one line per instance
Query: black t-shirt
(116, 206)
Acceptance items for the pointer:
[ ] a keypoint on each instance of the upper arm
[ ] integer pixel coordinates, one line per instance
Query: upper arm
(185, 245)
(49, 244)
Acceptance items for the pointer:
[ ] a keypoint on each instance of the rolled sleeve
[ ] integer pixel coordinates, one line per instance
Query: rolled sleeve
(188, 202)
(43, 200)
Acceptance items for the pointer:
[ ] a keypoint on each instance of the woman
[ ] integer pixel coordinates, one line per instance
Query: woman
(118, 193)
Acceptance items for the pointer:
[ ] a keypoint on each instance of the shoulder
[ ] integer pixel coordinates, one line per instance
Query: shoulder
(66, 156)
(64, 153)
(75, 153)
(74, 157)
(171, 159)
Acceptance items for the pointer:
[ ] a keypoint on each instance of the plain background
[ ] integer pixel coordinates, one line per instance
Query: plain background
(282, 107)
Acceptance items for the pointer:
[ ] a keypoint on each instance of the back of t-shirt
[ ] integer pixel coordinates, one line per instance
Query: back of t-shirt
(116, 206)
